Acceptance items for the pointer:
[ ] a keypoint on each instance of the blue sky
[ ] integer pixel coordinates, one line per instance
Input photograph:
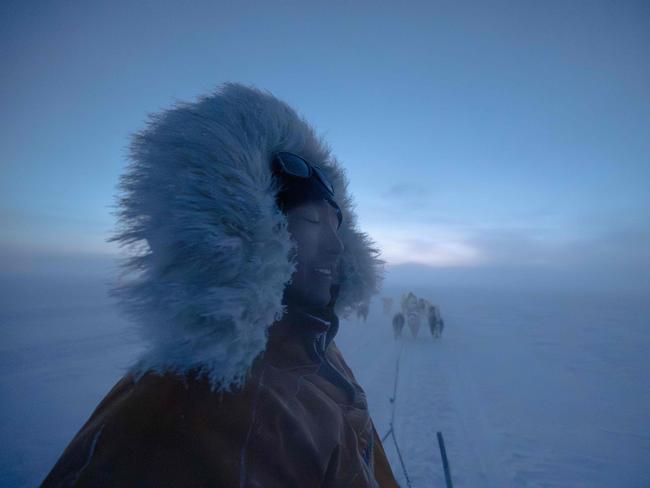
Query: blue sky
(508, 135)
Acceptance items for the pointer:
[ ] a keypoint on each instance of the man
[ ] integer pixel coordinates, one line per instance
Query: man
(245, 248)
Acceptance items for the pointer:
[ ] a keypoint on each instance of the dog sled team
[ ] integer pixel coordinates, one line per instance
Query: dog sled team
(413, 312)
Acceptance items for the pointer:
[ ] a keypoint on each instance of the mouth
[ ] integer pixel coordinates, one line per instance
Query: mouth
(324, 271)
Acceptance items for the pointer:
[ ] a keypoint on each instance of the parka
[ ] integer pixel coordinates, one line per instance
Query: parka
(234, 389)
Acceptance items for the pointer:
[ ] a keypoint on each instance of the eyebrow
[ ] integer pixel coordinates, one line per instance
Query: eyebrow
(309, 213)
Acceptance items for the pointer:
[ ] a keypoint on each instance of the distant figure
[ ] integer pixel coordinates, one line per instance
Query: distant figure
(362, 312)
(409, 303)
(411, 310)
(398, 324)
(414, 320)
(387, 302)
(436, 324)
(423, 306)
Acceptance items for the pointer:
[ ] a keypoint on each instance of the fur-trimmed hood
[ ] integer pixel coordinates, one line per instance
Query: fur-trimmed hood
(209, 248)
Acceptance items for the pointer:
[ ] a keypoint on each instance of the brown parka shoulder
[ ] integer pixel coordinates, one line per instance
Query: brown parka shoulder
(291, 425)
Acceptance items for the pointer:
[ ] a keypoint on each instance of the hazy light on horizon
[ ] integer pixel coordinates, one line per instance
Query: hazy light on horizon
(437, 247)
(474, 135)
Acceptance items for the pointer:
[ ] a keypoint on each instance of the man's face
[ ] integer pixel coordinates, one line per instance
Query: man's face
(314, 228)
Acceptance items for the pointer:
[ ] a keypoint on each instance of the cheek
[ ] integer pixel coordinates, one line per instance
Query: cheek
(306, 259)
(307, 240)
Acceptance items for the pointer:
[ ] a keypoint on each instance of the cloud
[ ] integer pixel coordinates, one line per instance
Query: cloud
(429, 245)
(618, 259)
(514, 247)
(622, 247)
(406, 191)
(17, 261)
(518, 253)
(412, 199)
(42, 232)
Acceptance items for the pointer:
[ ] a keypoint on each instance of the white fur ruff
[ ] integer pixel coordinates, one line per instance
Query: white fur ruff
(209, 249)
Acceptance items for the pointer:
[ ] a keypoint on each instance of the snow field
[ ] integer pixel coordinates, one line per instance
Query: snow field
(528, 389)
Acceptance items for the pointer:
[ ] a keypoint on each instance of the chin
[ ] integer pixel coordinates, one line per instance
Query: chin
(311, 299)
(316, 300)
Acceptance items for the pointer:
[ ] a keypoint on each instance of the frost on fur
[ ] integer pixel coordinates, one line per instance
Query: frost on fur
(209, 249)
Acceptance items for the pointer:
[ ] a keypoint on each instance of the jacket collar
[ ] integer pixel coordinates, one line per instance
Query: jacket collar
(301, 338)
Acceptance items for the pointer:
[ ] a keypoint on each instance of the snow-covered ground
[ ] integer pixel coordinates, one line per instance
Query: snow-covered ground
(528, 389)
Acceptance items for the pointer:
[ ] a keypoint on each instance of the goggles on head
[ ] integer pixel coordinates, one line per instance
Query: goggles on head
(294, 166)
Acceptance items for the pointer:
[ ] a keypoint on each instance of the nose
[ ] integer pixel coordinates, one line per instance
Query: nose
(334, 243)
